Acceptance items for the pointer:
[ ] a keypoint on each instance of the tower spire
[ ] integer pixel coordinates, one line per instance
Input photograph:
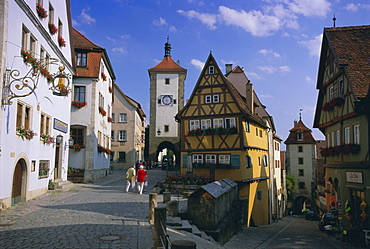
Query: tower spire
(167, 48)
(334, 19)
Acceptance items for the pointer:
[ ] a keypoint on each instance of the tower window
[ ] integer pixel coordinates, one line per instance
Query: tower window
(167, 81)
(301, 172)
(166, 128)
(300, 160)
(300, 148)
(299, 136)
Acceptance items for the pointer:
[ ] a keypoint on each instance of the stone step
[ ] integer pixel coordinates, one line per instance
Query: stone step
(173, 221)
(196, 231)
(203, 235)
(185, 226)
(63, 185)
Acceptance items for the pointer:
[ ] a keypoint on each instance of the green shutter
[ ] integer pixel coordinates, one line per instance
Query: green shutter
(235, 161)
(184, 160)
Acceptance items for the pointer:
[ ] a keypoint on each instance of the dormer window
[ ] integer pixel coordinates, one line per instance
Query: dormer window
(81, 59)
(300, 136)
(211, 70)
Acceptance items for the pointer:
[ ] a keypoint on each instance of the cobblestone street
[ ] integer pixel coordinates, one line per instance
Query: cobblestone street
(98, 215)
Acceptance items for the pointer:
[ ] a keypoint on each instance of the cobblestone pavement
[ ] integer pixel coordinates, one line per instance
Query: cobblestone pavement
(96, 215)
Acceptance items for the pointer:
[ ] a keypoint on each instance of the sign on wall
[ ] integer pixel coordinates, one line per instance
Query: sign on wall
(355, 177)
(60, 125)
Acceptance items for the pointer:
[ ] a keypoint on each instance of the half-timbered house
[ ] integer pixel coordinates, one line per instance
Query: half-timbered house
(222, 136)
(342, 115)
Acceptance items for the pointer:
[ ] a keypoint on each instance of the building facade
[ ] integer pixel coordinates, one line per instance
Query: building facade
(128, 131)
(91, 112)
(342, 115)
(167, 80)
(36, 62)
(301, 163)
(223, 137)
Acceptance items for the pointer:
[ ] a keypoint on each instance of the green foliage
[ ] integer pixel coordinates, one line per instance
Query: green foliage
(291, 184)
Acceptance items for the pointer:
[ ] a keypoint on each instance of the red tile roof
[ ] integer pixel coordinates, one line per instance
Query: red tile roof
(167, 64)
(352, 50)
(300, 128)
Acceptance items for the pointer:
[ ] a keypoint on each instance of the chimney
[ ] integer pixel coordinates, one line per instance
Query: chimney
(229, 68)
(249, 96)
(295, 123)
(178, 62)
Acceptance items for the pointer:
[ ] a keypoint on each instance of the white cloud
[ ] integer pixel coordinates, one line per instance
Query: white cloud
(253, 75)
(264, 96)
(125, 37)
(310, 8)
(111, 39)
(313, 46)
(74, 23)
(85, 17)
(356, 7)
(172, 29)
(255, 22)
(268, 69)
(284, 69)
(208, 19)
(269, 51)
(119, 50)
(197, 63)
(160, 22)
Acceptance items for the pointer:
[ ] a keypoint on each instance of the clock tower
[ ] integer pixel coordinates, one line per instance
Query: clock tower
(166, 100)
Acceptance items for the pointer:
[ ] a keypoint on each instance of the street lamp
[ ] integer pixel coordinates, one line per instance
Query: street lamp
(159, 132)
(59, 139)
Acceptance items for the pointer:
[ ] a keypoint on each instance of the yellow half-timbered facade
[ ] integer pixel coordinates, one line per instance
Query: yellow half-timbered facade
(342, 115)
(222, 137)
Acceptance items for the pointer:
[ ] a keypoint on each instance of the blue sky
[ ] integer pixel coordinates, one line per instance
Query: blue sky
(277, 42)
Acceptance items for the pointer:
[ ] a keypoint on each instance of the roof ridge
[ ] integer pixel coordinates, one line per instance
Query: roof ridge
(85, 40)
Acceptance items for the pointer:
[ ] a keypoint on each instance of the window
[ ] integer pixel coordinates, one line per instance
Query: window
(167, 81)
(121, 156)
(25, 38)
(44, 167)
(248, 162)
(216, 98)
(300, 160)
(166, 128)
(206, 123)
(265, 160)
(79, 93)
(247, 126)
(23, 115)
(332, 139)
(100, 138)
(42, 55)
(208, 99)
(301, 185)
(230, 122)
(300, 136)
(301, 172)
(194, 124)
(341, 88)
(197, 158)
(218, 123)
(337, 137)
(122, 135)
(260, 133)
(112, 135)
(331, 92)
(60, 28)
(32, 47)
(113, 117)
(224, 159)
(81, 59)
(356, 134)
(300, 148)
(211, 70)
(101, 100)
(77, 134)
(259, 195)
(211, 159)
(51, 14)
(346, 135)
(45, 123)
(123, 118)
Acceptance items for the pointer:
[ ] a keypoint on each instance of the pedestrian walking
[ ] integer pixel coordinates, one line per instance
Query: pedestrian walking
(141, 178)
(130, 178)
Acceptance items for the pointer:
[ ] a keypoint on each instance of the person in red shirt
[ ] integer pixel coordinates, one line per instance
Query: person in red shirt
(141, 178)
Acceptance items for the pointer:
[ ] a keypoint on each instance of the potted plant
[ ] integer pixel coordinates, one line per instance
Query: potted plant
(52, 28)
(52, 185)
(102, 111)
(25, 133)
(79, 104)
(61, 41)
(46, 138)
(41, 11)
(103, 76)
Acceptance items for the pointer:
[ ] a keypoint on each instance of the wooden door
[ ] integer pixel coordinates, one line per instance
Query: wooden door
(17, 184)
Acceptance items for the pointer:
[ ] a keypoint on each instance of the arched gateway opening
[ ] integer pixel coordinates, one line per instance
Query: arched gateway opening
(19, 182)
(301, 204)
(169, 156)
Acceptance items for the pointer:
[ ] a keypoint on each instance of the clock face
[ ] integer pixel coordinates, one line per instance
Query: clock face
(167, 99)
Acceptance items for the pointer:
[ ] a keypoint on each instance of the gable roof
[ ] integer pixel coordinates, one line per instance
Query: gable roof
(167, 64)
(238, 99)
(299, 127)
(351, 49)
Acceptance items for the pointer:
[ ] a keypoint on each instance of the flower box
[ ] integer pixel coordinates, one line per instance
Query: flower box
(110, 89)
(342, 149)
(46, 138)
(36, 65)
(213, 131)
(52, 28)
(110, 119)
(79, 104)
(61, 41)
(41, 12)
(77, 147)
(102, 111)
(103, 76)
(25, 133)
(329, 106)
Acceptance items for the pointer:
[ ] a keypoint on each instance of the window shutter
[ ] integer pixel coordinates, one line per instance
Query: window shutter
(184, 160)
(235, 161)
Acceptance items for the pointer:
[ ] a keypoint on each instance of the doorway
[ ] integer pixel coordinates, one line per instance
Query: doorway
(19, 177)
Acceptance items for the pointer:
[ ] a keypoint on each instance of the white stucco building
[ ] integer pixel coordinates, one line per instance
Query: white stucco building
(91, 109)
(35, 108)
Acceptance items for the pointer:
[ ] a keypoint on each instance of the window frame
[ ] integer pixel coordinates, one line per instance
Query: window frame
(197, 158)
(347, 135)
(207, 125)
(122, 156)
(79, 95)
(78, 135)
(211, 158)
(122, 136)
(208, 99)
(225, 160)
(218, 123)
(81, 59)
(228, 126)
(356, 134)
(215, 98)
(211, 70)
(193, 125)
(122, 118)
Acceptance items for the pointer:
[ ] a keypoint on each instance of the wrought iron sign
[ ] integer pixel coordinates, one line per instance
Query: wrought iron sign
(19, 85)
